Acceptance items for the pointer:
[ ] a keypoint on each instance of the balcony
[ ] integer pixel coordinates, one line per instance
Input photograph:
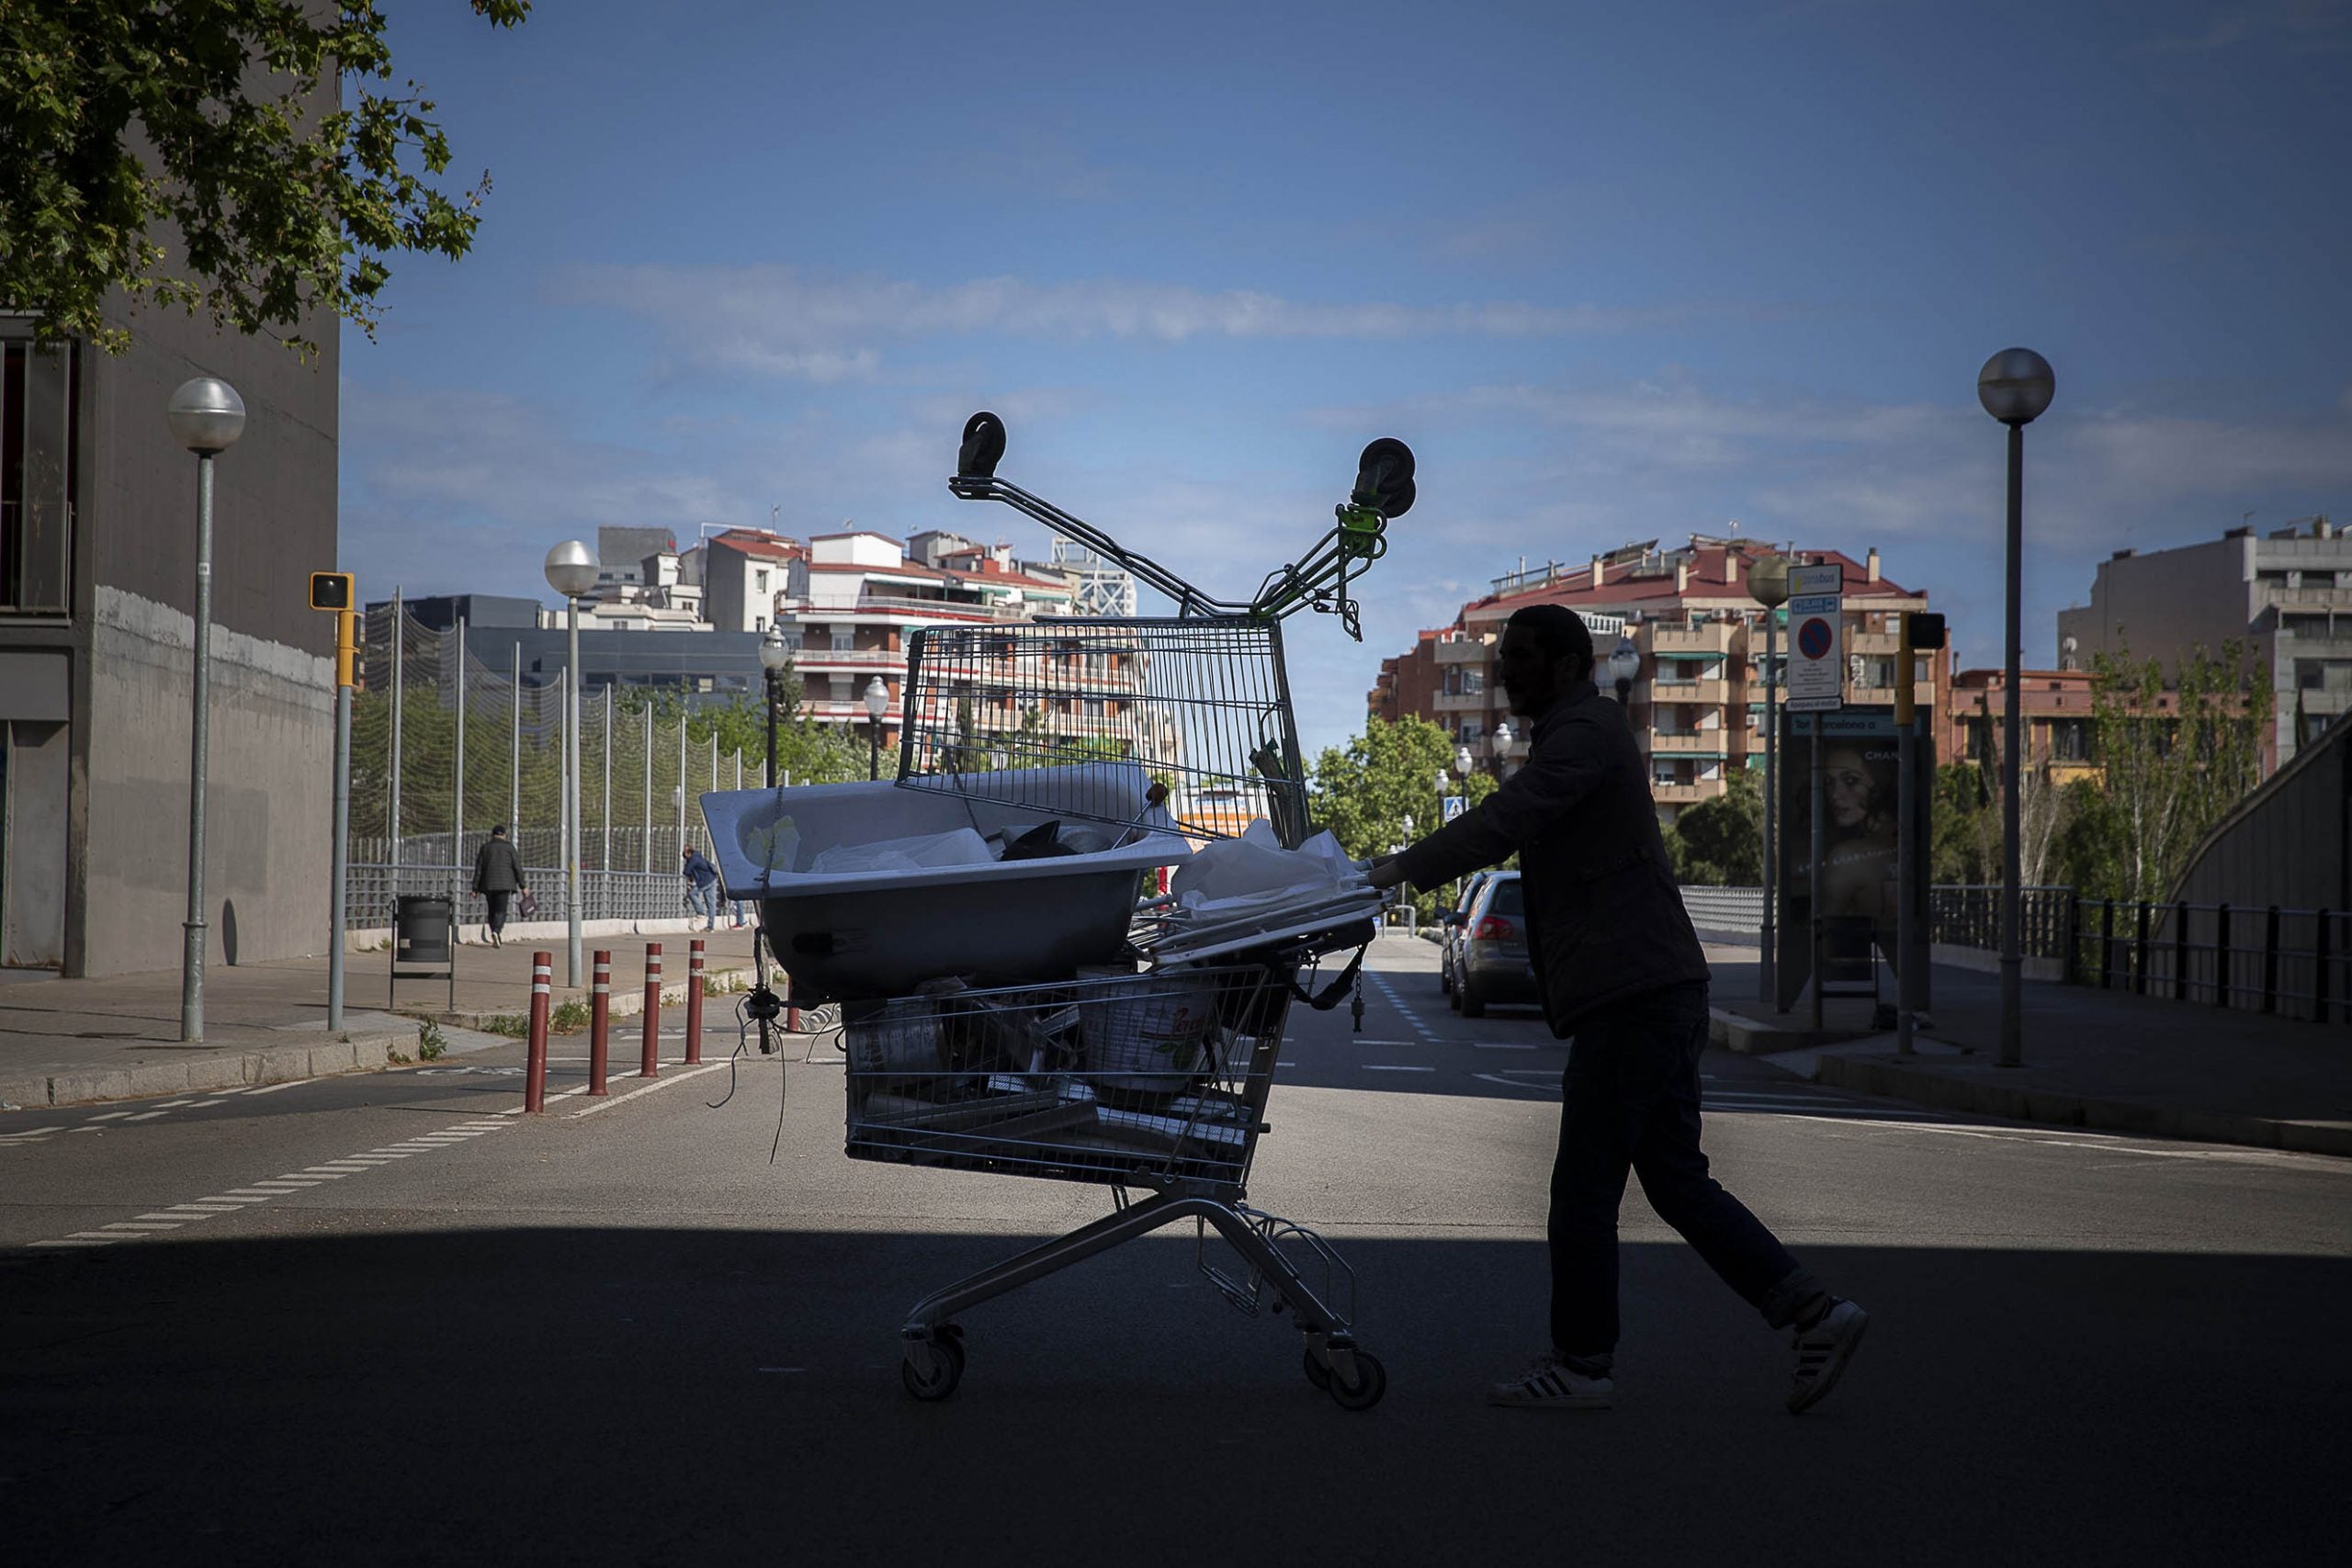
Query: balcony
(1461, 702)
(1690, 743)
(1463, 650)
(1685, 793)
(2339, 599)
(870, 606)
(1714, 694)
(1872, 642)
(1713, 637)
(806, 660)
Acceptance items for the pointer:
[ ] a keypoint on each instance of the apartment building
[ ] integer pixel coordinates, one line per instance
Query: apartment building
(1697, 703)
(2288, 595)
(2054, 713)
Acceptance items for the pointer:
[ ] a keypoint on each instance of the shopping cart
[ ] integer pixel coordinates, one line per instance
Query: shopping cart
(1148, 1076)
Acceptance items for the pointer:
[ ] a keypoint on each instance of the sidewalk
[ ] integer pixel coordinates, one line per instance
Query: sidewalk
(2100, 1059)
(73, 1041)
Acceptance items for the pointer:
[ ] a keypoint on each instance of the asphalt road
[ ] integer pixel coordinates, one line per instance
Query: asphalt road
(381, 1317)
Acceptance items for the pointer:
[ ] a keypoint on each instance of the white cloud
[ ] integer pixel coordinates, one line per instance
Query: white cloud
(778, 320)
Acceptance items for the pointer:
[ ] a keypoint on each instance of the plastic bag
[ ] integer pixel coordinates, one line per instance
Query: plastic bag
(928, 851)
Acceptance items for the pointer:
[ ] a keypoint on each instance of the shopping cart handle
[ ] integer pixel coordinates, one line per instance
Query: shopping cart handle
(983, 446)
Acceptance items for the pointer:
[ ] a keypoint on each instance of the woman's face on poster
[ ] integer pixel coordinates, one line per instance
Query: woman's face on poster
(1849, 788)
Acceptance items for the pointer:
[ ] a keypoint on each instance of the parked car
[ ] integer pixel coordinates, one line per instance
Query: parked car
(1451, 923)
(1493, 964)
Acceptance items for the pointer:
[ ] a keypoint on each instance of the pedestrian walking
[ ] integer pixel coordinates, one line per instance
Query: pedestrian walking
(701, 887)
(498, 876)
(1619, 972)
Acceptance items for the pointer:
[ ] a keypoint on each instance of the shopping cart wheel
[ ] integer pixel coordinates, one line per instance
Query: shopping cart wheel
(946, 1368)
(1316, 1372)
(1372, 1382)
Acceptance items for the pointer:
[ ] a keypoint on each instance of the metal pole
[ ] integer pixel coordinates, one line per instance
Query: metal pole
(192, 954)
(392, 815)
(514, 752)
(457, 796)
(1769, 979)
(605, 742)
(571, 769)
(645, 844)
(1906, 861)
(771, 684)
(682, 778)
(2012, 964)
(1812, 896)
(338, 880)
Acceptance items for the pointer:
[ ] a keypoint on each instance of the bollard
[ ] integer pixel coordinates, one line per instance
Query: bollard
(600, 1023)
(693, 1001)
(791, 1008)
(649, 1067)
(535, 1069)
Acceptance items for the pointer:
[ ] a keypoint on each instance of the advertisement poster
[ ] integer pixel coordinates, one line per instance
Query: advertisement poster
(1860, 861)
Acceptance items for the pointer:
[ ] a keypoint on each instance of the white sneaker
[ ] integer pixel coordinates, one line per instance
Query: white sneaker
(1823, 1351)
(1550, 1384)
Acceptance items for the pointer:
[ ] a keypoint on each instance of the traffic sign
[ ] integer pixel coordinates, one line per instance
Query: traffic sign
(1812, 582)
(1455, 805)
(1816, 672)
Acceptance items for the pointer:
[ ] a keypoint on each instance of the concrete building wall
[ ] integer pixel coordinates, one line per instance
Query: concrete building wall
(2289, 843)
(268, 803)
(2164, 604)
(34, 818)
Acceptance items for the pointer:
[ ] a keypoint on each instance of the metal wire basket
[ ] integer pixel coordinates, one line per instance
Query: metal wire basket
(1202, 705)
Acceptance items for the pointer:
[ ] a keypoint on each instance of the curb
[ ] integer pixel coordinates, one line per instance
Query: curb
(366, 1050)
(1738, 1032)
(2025, 1102)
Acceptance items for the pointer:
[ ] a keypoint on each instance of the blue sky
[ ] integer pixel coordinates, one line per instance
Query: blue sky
(1615, 272)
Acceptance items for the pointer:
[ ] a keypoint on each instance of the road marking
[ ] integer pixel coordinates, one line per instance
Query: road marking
(108, 1116)
(146, 1116)
(274, 1087)
(142, 1226)
(1393, 1068)
(200, 1104)
(78, 1241)
(172, 1104)
(1505, 1045)
(649, 1089)
(1515, 1083)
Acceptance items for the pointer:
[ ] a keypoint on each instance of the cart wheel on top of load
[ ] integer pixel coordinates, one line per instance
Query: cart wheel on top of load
(934, 1367)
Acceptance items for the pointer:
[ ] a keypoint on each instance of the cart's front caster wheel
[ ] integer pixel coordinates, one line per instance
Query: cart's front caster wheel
(1316, 1372)
(1371, 1382)
(944, 1369)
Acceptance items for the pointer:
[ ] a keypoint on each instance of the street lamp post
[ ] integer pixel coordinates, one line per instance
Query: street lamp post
(571, 571)
(877, 703)
(1768, 585)
(774, 659)
(206, 416)
(2015, 387)
(1500, 744)
(1624, 665)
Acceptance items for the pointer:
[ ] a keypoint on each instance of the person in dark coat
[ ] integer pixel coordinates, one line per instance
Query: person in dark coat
(498, 876)
(1621, 973)
(702, 888)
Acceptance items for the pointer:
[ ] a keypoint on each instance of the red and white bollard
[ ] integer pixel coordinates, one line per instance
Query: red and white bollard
(534, 1068)
(649, 1065)
(693, 1001)
(600, 1025)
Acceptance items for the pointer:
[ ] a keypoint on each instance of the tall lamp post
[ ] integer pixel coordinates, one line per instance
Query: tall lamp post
(774, 658)
(571, 571)
(2015, 387)
(1501, 741)
(1768, 585)
(877, 703)
(206, 416)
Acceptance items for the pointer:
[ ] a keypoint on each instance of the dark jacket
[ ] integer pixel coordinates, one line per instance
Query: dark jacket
(497, 868)
(699, 871)
(1605, 919)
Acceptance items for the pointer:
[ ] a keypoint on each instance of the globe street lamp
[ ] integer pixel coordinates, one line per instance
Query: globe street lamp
(1624, 665)
(206, 416)
(571, 571)
(877, 703)
(2015, 387)
(1501, 741)
(1463, 761)
(1768, 585)
(775, 658)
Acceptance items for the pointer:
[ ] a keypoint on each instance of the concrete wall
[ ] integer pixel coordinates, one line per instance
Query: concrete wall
(268, 806)
(2289, 843)
(34, 816)
(2163, 604)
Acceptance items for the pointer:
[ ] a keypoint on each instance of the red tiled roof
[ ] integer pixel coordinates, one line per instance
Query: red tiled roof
(1620, 587)
(903, 568)
(768, 546)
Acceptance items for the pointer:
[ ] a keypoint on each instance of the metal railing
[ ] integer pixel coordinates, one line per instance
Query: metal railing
(2291, 963)
(604, 895)
(1969, 915)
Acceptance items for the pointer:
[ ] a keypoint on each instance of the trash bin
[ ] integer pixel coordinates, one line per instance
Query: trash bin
(425, 942)
(424, 928)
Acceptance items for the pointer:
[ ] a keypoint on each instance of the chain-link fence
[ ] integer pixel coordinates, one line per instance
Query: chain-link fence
(445, 747)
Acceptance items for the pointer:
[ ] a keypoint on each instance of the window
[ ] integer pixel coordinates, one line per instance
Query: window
(37, 479)
(759, 623)
(760, 579)
(844, 639)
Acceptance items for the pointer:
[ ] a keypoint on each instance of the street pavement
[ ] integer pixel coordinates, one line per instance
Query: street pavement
(377, 1316)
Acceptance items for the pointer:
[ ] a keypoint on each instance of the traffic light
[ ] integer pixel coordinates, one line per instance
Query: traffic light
(1927, 630)
(332, 591)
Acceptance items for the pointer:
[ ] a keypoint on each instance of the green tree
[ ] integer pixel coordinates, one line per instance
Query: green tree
(1365, 791)
(1721, 842)
(2169, 770)
(140, 150)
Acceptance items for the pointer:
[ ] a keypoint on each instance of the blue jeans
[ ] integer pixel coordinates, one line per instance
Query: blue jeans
(1630, 1102)
(702, 901)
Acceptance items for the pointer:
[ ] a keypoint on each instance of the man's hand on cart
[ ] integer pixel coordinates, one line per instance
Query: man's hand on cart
(1385, 872)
